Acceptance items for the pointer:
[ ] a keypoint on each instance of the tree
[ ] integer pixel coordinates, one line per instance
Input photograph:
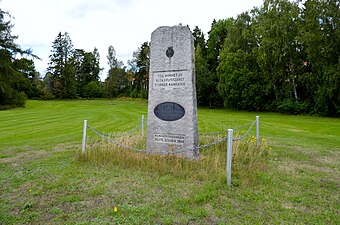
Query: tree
(284, 56)
(9, 80)
(321, 40)
(12, 70)
(87, 70)
(280, 53)
(217, 35)
(92, 90)
(203, 81)
(7, 40)
(241, 84)
(140, 78)
(61, 67)
(199, 40)
(112, 60)
(116, 82)
(29, 77)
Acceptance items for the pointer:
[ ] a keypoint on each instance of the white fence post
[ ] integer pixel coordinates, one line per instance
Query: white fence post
(142, 125)
(84, 137)
(229, 155)
(257, 130)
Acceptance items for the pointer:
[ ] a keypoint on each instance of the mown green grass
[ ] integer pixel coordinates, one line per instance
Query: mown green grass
(42, 182)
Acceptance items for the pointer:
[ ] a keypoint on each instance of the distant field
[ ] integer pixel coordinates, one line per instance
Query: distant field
(41, 181)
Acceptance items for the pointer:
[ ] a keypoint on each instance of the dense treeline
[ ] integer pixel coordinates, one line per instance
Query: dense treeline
(74, 73)
(283, 56)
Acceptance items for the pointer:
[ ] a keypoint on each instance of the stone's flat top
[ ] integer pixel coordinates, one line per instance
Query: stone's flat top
(174, 28)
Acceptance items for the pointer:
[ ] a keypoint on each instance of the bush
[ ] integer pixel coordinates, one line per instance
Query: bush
(11, 98)
(92, 90)
(292, 107)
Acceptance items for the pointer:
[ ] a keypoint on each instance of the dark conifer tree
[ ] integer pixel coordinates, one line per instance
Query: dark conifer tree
(62, 68)
(14, 82)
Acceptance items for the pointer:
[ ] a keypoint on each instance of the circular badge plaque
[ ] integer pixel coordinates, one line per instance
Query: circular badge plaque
(169, 111)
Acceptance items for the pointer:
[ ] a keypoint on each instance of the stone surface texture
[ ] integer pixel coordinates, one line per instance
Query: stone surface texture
(172, 88)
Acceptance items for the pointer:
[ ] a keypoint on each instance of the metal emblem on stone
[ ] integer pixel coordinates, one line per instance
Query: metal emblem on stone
(170, 52)
(169, 111)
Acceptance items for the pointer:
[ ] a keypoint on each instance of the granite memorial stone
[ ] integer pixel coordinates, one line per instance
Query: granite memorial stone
(172, 108)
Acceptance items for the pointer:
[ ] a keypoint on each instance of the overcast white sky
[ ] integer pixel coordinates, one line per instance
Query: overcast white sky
(124, 24)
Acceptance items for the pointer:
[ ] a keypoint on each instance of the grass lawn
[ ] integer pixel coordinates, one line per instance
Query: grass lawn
(43, 182)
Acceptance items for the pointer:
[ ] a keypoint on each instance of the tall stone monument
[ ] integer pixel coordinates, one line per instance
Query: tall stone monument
(172, 109)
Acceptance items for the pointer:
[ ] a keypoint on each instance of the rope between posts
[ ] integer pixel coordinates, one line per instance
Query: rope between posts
(246, 125)
(246, 133)
(129, 132)
(213, 133)
(124, 133)
(104, 136)
(195, 149)
(212, 143)
(251, 124)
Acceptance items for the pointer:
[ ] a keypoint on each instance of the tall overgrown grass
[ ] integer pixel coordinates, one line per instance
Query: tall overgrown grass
(211, 164)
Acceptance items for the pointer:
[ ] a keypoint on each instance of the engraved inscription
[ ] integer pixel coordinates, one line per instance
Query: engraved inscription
(170, 79)
(169, 111)
(170, 138)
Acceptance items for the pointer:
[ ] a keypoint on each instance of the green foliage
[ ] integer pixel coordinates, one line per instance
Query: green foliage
(7, 40)
(61, 68)
(17, 75)
(87, 71)
(29, 77)
(92, 90)
(321, 38)
(240, 82)
(282, 57)
(292, 107)
(203, 81)
(207, 60)
(72, 72)
(215, 43)
(132, 81)
(9, 80)
(240, 87)
(280, 53)
(116, 83)
(112, 60)
(199, 40)
(141, 77)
